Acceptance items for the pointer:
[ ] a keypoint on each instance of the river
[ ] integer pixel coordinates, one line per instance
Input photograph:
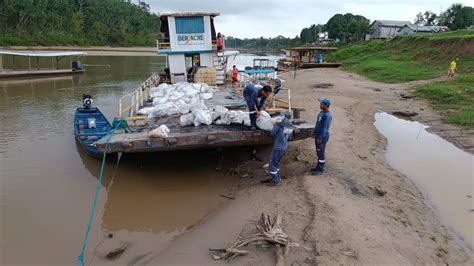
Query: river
(47, 182)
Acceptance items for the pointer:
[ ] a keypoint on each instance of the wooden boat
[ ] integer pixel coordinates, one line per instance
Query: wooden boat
(90, 125)
(17, 72)
(308, 57)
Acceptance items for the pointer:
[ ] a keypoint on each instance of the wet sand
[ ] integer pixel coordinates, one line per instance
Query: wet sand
(338, 218)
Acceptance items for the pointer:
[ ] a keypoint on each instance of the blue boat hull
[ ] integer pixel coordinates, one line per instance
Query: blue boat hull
(86, 135)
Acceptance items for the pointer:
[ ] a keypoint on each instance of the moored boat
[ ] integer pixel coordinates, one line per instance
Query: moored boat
(90, 125)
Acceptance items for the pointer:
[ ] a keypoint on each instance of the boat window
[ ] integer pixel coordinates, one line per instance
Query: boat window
(189, 25)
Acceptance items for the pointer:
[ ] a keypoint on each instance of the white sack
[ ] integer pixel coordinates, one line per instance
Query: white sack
(264, 121)
(186, 120)
(145, 110)
(159, 132)
(202, 118)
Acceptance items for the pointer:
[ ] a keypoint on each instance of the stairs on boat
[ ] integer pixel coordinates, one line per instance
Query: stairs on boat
(219, 63)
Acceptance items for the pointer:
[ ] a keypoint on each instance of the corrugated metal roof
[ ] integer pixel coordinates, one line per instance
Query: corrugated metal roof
(427, 28)
(188, 14)
(41, 54)
(393, 23)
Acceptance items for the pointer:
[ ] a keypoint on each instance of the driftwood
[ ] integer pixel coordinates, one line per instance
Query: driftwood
(267, 230)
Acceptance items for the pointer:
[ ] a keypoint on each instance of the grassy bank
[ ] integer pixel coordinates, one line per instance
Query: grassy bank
(454, 98)
(419, 57)
(409, 58)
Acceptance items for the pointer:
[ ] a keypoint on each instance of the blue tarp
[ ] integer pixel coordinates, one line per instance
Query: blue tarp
(257, 71)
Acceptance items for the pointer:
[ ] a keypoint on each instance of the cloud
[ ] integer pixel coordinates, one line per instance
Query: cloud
(270, 18)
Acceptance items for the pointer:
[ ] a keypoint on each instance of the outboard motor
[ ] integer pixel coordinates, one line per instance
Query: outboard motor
(87, 101)
(277, 88)
(76, 66)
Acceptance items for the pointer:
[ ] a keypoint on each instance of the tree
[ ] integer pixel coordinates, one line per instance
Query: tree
(457, 16)
(347, 27)
(426, 19)
(114, 22)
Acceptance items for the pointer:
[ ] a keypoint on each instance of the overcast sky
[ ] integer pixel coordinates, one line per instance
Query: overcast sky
(270, 18)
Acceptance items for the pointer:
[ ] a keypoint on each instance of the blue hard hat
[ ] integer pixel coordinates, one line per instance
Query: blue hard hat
(325, 101)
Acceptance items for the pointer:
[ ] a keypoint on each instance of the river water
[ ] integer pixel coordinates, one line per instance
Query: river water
(47, 182)
(443, 172)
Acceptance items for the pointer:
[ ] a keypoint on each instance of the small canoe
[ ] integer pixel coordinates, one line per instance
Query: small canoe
(90, 125)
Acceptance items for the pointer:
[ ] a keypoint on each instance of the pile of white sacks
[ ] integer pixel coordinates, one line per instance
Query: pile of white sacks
(188, 99)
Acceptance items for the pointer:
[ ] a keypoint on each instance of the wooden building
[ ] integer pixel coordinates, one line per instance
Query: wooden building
(386, 29)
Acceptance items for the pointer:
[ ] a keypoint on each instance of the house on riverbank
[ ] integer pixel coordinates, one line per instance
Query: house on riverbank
(413, 29)
(386, 29)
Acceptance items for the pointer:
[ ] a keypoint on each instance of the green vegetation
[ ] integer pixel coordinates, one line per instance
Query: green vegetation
(419, 57)
(455, 17)
(348, 27)
(77, 22)
(455, 98)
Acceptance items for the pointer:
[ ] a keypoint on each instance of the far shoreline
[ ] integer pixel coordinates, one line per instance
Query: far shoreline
(92, 50)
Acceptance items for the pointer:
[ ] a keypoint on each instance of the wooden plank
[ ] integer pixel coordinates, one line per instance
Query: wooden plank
(275, 110)
(133, 118)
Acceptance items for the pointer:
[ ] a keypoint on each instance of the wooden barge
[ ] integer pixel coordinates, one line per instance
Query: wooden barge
(188, 42)
(33, 70)
(308, 57)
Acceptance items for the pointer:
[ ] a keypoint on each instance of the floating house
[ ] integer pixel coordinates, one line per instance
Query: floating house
(34, 68)
(190, 42)
(308, 57)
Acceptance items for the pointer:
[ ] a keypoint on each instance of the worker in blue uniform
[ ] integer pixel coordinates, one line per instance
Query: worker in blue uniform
(282, 132)
(321, 135)
(255, 97)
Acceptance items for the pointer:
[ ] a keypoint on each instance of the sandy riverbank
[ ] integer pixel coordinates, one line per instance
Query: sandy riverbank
(337, 213)
(93, 50)
(336, 218)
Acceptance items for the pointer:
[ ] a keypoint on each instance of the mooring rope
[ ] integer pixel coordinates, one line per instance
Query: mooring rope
(120, 124)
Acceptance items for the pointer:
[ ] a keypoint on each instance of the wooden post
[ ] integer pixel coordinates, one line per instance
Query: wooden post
(52, 62)
(120, 108)
(13, 62)
(29, 63)
(138, 101)
(57, 63)
(1, 63)
(38, 62)
(289, 100)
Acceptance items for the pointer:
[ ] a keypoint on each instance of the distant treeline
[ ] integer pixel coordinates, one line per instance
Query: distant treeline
(349, 28)
(77, 22)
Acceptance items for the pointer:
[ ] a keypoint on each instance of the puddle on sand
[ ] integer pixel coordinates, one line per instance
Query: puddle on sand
(443, 172)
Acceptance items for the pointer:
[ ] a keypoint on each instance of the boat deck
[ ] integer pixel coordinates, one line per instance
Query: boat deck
(41, 72)
(316, 65)
(185, 138)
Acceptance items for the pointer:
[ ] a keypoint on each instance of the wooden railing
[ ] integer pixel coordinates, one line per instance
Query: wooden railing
(163, 44)
(136, 99)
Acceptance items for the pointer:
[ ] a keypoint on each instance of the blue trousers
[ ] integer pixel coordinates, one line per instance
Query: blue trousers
(251, 107)
(274, 165)
(320, 152)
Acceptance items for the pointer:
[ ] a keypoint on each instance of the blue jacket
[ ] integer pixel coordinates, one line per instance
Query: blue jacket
(252, 95)
(282, 132)
(321, 130)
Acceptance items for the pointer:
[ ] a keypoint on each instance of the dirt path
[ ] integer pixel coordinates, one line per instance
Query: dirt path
(337, 218)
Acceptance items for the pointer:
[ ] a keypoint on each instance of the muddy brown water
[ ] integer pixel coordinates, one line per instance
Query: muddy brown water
(443, 172)
(47, 182)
